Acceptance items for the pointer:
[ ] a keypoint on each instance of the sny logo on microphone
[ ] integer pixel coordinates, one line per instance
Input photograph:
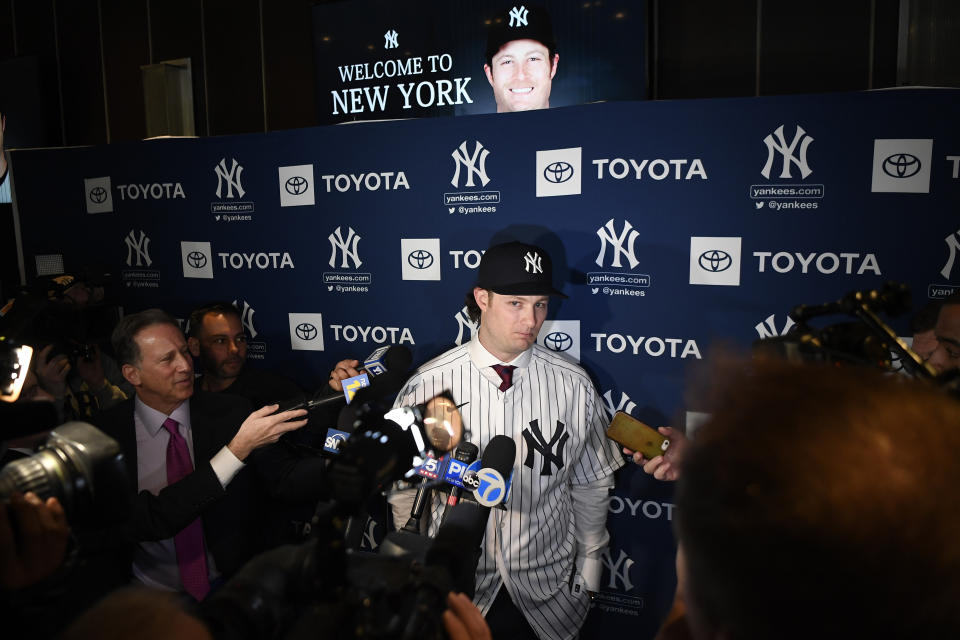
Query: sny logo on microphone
(335, 438)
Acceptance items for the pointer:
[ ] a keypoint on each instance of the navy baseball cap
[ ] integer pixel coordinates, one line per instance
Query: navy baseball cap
(517, 269)
(520, 22)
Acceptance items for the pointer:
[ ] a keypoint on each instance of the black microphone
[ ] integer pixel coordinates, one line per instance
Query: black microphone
(395, 357)
(466, 453)
(395, 360)
(464, 528)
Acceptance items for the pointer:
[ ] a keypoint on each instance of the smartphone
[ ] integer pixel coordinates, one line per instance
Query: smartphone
(635, 435)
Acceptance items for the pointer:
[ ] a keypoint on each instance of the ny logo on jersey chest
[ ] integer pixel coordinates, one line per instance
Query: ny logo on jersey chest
(551, 451)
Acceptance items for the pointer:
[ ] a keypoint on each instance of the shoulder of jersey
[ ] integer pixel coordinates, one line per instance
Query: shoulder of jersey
(453, 356)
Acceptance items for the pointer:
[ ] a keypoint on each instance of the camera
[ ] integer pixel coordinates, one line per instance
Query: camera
(868, 341)
(322, 587)
(80, 466)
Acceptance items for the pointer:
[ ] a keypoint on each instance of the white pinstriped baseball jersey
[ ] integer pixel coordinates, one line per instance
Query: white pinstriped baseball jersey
(555, 417)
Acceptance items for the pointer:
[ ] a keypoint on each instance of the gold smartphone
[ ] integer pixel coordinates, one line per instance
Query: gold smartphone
(635, 435)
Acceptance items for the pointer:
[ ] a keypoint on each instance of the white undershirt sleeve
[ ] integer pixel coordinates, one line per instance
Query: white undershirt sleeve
(590, 504)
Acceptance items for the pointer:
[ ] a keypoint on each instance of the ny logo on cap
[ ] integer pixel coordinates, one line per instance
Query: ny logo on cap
(532, 262)
(518, 17)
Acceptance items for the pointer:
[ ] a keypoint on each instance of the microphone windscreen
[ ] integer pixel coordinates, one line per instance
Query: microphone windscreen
(499, 455)
(398, 358)
(466, 452)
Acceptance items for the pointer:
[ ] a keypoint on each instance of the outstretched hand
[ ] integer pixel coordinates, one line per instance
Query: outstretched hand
(263, 427)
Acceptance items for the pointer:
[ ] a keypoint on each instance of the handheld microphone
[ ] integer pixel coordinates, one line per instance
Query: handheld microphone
(393, 357)
(459, 539)
(496, 466)
(462, 457)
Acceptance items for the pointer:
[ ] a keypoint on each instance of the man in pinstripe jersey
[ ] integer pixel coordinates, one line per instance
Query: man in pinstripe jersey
(541, 556)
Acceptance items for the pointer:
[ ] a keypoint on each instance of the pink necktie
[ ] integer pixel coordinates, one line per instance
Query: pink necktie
(505, 371)
(191, 557)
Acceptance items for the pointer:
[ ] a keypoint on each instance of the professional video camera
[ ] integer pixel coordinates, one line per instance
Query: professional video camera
(78, 464)
(323, 589)
(868, 341)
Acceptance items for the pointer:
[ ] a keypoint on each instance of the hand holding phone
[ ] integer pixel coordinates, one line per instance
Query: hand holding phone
(637, 436)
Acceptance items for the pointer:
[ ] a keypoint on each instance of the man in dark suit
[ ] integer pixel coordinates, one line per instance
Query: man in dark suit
(202, 464)
(218, 341)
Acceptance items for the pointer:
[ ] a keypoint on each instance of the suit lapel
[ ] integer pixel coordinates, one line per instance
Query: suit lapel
(202, 425)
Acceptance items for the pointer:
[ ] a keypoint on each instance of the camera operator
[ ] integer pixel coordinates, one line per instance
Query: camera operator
(820, 489)
(70, 363)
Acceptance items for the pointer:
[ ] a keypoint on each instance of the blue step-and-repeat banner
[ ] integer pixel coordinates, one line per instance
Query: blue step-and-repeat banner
(673, 226)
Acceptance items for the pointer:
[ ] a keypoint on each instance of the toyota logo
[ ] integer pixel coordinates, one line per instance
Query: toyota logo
(306, 331)
(901, 165)
(296, 185)
(558, 172)
(558, 341)
(420, 259)
(715, 260)
(98, 195)
(196, 259)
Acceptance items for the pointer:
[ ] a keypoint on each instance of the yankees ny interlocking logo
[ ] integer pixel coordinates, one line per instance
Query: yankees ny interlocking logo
(608, 235)
(779, 145)
(532, 262)
(369, 536)
(952, 244)
(231, 177)
(465, 327)
(619, 569)
(552, 451)
(138, 247)
(518, 16)
(470, 163)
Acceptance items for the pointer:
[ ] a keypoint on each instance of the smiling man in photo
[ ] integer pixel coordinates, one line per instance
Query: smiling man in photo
(521, 59)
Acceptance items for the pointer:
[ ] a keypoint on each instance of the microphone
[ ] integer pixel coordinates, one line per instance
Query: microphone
(394, 359)
(455, 467)
(496, 467)
(388, 358)
(459, 539)
(464, 455)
